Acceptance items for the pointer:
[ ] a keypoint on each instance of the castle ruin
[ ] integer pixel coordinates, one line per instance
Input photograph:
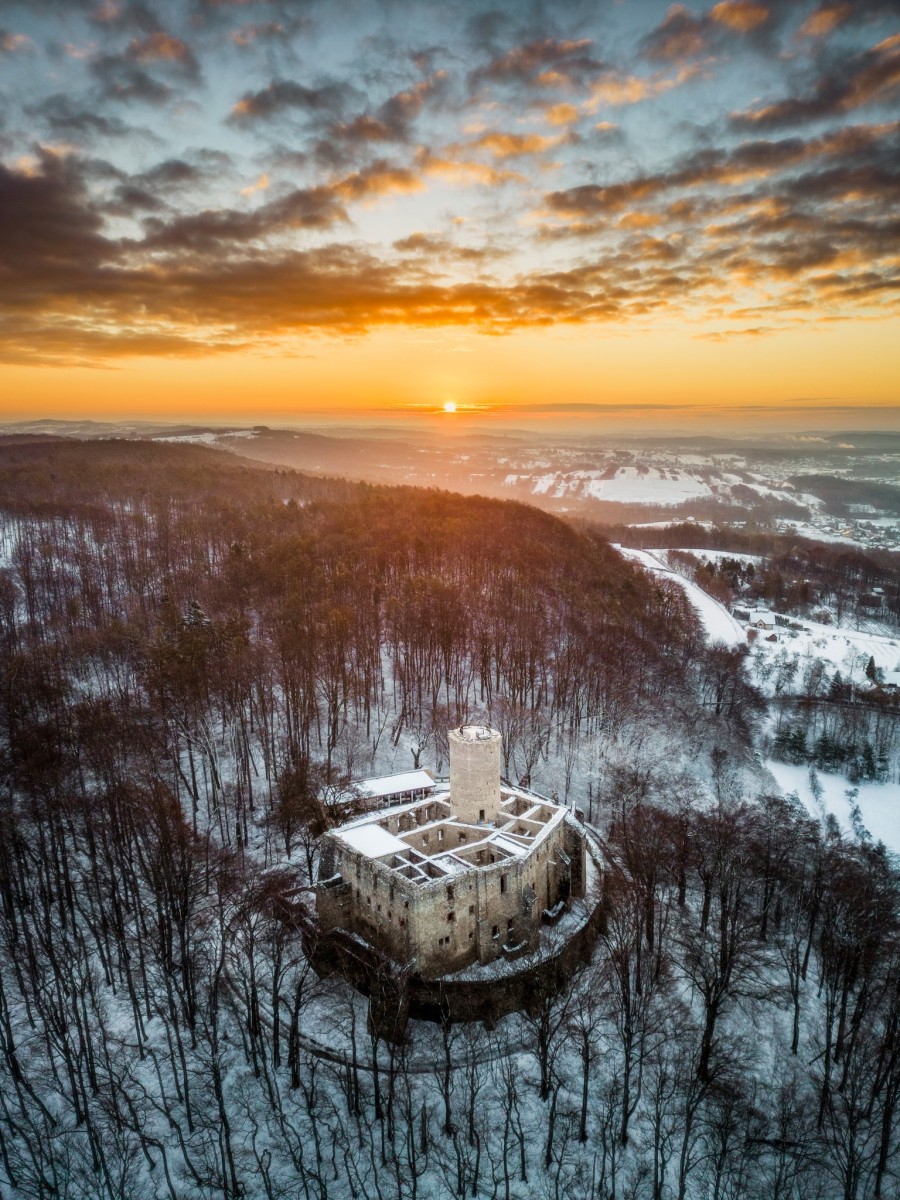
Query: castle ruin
(467, 874)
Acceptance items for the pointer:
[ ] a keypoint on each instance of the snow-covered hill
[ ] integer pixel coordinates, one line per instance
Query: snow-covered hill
(717, 621)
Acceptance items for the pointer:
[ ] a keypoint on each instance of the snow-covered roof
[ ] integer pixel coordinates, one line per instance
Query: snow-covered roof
(395, 785)
(371, 840)
(509, 845)
(451, 864)
(396, 810)
(476, 733)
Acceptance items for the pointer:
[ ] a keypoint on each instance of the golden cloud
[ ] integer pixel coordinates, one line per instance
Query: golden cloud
(561, 114)
(159, 47)
(465, 172)
(259, 186)
(740, 15)
(11, 42)
(618, 90)
(824, 20)
(515, 145)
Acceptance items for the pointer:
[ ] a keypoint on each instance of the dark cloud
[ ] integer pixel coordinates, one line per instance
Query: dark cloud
(681, 36)
(435, 248)
(64, 119)
(130, 201)
(711, 167)
(121, 15)
(162, 48)
(393, 121)
(285, 95)
(545, 61)
(421, 243)
(47, 224)
(215, 230)
(133, 76)
(154, 189)
(172, 173)
(124, 81)
(871, 77)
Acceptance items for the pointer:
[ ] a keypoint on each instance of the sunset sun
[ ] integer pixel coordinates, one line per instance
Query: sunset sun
(449, 406)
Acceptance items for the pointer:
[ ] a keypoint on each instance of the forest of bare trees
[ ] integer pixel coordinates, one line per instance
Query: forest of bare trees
(196, 658)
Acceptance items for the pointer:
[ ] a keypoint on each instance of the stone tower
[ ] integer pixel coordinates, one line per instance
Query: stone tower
(475, 773)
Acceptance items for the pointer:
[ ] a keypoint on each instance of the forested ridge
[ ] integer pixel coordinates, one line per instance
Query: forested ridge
(196, 656)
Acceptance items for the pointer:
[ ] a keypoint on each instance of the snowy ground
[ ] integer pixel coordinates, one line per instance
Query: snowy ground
(879, 803)
(844, 650)
(7, 543)
(719, 624)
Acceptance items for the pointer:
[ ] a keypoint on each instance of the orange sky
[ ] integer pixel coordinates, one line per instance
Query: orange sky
(210, 214)
(843, 363)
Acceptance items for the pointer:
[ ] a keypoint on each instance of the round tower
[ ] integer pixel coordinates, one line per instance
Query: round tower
(475, 773)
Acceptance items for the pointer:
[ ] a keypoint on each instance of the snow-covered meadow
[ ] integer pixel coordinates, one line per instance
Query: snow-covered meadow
(824, 792)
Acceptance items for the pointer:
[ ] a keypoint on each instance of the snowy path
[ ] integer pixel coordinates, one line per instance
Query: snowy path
(718, 622)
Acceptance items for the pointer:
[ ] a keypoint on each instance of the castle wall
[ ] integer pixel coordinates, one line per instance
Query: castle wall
(449, 923)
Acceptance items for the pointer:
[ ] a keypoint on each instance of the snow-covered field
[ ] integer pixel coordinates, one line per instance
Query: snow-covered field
(650, 486)
(843, 650)
(210, 438)
(193, 439)
(840, 649)
(879, 803)
(628, 485)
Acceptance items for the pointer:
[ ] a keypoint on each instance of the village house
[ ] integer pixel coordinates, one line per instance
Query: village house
(466, 874)
(762, 619)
